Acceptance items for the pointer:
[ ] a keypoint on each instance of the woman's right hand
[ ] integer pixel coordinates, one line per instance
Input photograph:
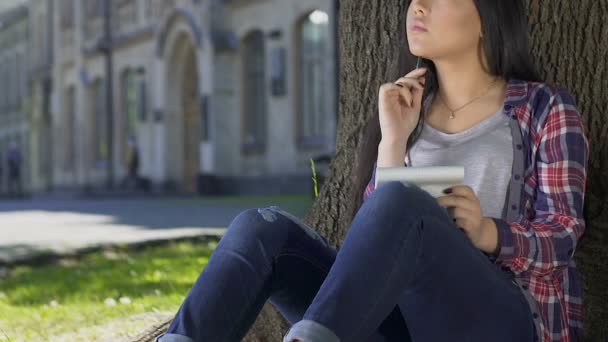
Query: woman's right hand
(399, 106)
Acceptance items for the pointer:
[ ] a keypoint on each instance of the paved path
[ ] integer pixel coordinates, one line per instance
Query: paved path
(63, 225)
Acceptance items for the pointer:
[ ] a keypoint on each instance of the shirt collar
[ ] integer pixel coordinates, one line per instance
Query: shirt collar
(517, 92)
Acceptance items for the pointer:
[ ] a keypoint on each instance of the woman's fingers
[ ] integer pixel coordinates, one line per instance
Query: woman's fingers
(456, 201)
(404, 86)
(462, 213)
(407, 85)
(400, 91)
(416, 72)
(407, 95)
(417, 83)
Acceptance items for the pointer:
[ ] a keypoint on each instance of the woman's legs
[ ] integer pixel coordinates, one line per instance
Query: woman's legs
(265, 254)
(404, 248)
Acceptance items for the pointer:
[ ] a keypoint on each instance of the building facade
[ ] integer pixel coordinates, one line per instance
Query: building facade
(14, 94)
(235, 95)
(39, 85)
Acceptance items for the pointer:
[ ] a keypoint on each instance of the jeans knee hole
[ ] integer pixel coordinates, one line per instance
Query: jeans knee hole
(268, 214)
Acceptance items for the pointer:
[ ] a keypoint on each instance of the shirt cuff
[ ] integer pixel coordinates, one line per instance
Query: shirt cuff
(506, 249)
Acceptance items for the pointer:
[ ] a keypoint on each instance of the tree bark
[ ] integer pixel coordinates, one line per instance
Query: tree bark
(569, 42)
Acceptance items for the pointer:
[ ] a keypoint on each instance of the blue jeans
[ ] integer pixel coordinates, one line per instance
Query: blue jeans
(404, 272)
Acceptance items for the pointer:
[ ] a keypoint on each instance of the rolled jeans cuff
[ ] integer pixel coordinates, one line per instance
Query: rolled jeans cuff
(173, 338)
(310, 331)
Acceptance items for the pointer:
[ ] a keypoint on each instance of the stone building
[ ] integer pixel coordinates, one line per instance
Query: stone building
(231, 95)
(39, 85)
(14, 126)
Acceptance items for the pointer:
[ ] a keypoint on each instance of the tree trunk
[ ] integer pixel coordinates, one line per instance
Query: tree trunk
(568, 40)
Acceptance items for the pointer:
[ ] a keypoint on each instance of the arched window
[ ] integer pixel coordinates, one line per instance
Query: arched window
(130, 102)
(312, 78)
(99, 136)
(254, 92)
(133, 103)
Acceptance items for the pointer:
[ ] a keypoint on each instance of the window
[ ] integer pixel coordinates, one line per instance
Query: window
(13, 79)
(313, 86)
(42, 41)
(3, 86)
(99, 134)
(18, 80)
(129, 99)
(133, 97)
(158, 8)
(92, 13)
(126, 13)
(254, 92)
(69, 155)
(93, 8)
(67, 14)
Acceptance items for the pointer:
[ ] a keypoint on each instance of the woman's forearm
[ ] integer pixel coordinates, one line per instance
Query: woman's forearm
(391, 153)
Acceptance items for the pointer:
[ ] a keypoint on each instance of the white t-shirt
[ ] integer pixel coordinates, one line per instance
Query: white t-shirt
(485, 150)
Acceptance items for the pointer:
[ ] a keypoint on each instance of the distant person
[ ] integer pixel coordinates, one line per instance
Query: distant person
(132, 178)
(14, 161)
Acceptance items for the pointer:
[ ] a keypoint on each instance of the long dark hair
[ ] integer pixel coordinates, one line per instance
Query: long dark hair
(505, 44)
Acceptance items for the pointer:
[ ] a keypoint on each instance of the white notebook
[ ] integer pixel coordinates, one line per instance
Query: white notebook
(432, 179)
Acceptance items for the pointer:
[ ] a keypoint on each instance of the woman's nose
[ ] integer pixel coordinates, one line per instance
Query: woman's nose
(418, 7)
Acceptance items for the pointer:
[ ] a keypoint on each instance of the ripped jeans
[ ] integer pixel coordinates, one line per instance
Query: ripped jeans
(403, 260)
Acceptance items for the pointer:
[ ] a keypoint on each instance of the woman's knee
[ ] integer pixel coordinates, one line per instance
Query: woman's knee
(272, 224)
(255, 236)
(404, 195)
(256, 223)
(398, 191)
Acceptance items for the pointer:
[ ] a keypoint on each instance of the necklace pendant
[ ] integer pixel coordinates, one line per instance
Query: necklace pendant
(452, 116)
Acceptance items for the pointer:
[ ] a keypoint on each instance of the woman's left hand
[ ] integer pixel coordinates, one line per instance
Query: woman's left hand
(465, 209)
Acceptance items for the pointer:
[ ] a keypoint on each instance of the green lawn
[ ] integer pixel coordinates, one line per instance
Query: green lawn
(113, 294)
(67, 301)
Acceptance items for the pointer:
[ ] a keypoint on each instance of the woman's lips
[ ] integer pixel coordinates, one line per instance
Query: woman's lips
(417, 28)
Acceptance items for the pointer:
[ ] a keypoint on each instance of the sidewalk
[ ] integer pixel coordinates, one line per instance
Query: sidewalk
(52, 225)
(41, 228)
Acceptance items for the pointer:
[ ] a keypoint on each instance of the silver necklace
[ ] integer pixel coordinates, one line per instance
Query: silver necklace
(453, 111)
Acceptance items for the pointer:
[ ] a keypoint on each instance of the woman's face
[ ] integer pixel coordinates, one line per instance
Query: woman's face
(453, 28)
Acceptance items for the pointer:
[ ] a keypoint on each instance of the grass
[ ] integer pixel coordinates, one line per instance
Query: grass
(116, 293)
(73, 297)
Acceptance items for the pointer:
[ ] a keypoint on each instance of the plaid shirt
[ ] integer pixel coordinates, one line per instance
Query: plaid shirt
(537, 244)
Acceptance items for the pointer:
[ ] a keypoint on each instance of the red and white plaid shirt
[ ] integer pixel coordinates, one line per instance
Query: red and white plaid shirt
(538, 246)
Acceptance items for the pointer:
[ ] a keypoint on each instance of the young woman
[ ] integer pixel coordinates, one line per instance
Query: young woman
(489, 261)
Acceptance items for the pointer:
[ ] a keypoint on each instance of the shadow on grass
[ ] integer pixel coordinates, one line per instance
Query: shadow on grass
(45, 301)
(110, 273)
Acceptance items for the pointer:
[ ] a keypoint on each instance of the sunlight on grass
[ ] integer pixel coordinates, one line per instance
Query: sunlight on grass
(39, 303)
